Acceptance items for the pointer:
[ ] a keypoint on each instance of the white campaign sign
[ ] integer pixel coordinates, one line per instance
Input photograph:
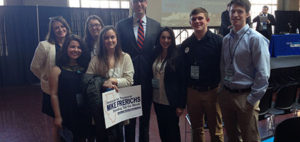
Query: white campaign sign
(124, 105)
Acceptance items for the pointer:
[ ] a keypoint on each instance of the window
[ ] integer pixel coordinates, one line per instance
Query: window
(1, 2)
(124, 4)
(183, 33)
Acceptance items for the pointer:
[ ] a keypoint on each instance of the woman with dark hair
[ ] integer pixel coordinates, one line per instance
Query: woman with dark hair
(117, 67)
(93, 27)
(64, 81)
(169, 97)
(44, 58)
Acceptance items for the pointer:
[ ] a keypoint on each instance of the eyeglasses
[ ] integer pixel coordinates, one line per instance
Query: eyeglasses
(94, 25)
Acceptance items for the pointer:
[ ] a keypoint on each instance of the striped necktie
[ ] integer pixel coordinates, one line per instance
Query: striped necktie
(140, 39)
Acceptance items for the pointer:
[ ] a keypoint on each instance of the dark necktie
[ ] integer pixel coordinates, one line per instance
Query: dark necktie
(140, 39)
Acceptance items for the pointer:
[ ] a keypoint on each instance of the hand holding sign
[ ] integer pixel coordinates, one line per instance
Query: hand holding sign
(122, 105)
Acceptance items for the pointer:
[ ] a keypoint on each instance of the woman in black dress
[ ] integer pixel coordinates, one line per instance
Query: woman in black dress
(65, 79)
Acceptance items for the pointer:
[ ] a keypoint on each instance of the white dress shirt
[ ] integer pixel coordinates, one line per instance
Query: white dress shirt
(136, 25)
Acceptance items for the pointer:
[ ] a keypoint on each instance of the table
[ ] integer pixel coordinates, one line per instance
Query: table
(285, 70)
(285, 45)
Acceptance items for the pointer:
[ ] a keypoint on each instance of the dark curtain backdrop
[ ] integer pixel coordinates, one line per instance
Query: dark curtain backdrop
(76, 17)
(19, 35)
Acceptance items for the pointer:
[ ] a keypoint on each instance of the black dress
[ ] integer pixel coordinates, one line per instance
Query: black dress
(68, 88)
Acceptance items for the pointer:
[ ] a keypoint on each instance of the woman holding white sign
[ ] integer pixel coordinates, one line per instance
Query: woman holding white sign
(168, 93)
(115, 65)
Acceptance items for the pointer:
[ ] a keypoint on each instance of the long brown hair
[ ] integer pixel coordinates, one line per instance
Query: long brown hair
(103, 56)
(50, 35)
(88, 39)
(171, 52)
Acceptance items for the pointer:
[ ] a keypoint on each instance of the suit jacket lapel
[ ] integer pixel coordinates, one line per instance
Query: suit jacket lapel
(148, 31)
(132, 36)
(130, 30)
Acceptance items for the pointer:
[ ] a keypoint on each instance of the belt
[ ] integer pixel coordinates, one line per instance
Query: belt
(237, 90)
(204, 88)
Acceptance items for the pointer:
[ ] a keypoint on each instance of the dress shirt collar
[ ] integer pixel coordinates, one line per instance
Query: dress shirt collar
(206, 36)
(135, 19)
(240, 32)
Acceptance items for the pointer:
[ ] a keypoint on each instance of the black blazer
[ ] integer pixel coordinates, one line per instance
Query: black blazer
(225, 22)
(269, 26)
(174, 81)
(141, 58)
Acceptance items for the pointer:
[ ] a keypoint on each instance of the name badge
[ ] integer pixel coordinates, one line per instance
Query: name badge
(229, 72)
(195, 72)
(264, 27)
(155, 83)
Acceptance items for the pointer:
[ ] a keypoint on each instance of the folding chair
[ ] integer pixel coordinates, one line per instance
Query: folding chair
(265, 103)
(286, 97)
(283, 104)
(188, 128)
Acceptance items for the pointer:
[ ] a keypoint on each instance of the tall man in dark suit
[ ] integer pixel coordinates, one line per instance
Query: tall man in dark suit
(138, 39)
(265, 27)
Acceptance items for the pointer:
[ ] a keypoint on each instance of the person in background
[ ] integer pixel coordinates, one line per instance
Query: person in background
(44, 59)
(117, 66)
(201, 53)
(225, 22)
(65, 79)
(265, 27)
(137, 36)
(169, 96)
(245, 69)
(93, 27)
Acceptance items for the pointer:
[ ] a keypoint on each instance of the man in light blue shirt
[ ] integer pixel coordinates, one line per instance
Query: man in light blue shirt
(245, 70)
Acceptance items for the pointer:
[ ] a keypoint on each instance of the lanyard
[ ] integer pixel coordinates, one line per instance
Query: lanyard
(162, 65)
(233, 54)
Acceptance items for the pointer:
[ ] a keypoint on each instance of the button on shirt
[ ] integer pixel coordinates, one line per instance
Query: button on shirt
(206, 54)
(136, 26)
(250, 62)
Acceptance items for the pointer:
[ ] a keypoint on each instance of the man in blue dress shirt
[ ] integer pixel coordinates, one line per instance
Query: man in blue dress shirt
(245, 70)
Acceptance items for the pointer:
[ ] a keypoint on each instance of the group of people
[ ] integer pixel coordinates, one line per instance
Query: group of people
(220, 78)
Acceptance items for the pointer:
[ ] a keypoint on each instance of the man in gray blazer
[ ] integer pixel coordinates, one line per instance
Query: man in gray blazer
(141, 51)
